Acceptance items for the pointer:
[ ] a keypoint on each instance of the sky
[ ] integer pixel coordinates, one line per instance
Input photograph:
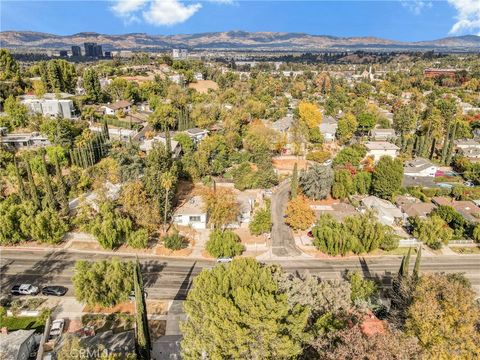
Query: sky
(405, 20)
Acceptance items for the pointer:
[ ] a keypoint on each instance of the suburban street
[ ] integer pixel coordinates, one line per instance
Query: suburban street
(283, 243)
(171, 278)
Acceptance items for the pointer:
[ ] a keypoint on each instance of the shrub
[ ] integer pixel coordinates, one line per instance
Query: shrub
(319, 156)
(262, 221)
(138, 239)
(224, 244)
(175, 241)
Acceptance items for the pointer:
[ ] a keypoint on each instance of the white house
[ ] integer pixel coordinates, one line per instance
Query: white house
(467, 143)
(328, 128)
(116, 133)
(112, 109)
(51, 105)
(420, 167)
(377, 149)
(191, 213)
(197, 134)
(386, 212)
(148, 145)
(382, 134)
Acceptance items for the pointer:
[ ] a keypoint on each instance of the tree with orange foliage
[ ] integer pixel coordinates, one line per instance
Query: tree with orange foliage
(221, 206)
(299, 214)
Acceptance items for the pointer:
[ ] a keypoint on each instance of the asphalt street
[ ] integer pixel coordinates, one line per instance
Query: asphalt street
(172, 278)
(283, 243)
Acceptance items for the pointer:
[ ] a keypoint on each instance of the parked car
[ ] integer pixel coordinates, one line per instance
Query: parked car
(56, 329)
(469, 183)
(328, 162)
(25, 289)
(224, 260)
(55, 290)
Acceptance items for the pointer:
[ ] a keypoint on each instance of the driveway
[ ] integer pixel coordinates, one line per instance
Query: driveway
(283, 243)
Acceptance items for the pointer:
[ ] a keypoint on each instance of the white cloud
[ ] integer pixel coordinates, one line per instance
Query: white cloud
(416, 6)
(159, 12)
(169, 12)
(468, 16)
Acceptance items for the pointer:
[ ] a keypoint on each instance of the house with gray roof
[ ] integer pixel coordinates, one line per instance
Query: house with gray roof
(383, 134)
(17, 345)
(420, 167)
(328, 128)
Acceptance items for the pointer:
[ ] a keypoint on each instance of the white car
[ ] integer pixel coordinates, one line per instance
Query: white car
(328, 162)
(224, 260)
(56, 329)
(25, 289)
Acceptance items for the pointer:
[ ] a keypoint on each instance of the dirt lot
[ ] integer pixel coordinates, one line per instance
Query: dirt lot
(202, 86)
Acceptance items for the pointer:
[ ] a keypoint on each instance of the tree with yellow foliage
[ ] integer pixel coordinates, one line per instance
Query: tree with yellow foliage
(309, 114)
(221, 206)
(299, 214)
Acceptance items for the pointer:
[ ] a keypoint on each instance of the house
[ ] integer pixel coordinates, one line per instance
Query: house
(17, 345)
(282, 125)
(246, 203)
(383, 134)
(413, 207)
(472, 153)
(467, 143)
(113, 109)
(420, 167)
(386, 212)
(50, 105)
(338, 210)
(328, 128)
(191, 213)
(468, 209)
(116, 133)
(196, 134)
(198, 76)
(148, 144)
(24, 140)
(377, 149)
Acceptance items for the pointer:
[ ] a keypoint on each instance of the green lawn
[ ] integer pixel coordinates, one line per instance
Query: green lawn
(13, 323)
(466, 249)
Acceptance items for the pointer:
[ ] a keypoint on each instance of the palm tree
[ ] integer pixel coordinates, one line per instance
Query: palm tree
(166, 180)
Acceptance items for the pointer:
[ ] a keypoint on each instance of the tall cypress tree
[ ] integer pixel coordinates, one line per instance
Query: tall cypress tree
(416, 268)
(62, 188)
(168, 141)
(21, 186)
(294, 182)
(52, 203)
(142, 334)
(33, 188)
(105, 129)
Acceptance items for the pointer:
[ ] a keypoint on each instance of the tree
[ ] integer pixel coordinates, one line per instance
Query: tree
(51, 201)
(294, 182)
(175, 241)
(332, 238)
(343, 185)
(104, 283)
(141, 320)
(167, 181)
(444, 317)
(387, 177)
(362, 290)
(453, 218)
(221, 206)
(224, 244)
(309, 114)
(91, 84)
(138, 239)
(21, 186)
(316, 182)
(17, 113)
(404, 122)
(299, 215)
(33, 188)
(262, 221)
(48, 227)
(109, 226)
(61, 188)
(366, 121)
(350, 155)
(165, 116)
(362, 182)
(433, 231)
(237, 311)
(347, 126)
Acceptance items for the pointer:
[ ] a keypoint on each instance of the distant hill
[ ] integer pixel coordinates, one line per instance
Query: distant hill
(233, 40)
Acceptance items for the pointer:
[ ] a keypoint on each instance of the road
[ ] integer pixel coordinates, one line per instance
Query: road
(283, 243)
(172, 278)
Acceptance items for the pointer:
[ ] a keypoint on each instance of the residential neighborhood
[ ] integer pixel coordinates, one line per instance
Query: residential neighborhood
(238, 195)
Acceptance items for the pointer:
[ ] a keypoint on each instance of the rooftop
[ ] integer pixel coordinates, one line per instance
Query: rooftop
(381, 145)
(193, 206)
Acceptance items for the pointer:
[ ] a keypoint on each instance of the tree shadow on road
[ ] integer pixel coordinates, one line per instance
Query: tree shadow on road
(151, 271)
(186, 284)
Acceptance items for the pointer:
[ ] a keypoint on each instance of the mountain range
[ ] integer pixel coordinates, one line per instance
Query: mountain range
(231, 40)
